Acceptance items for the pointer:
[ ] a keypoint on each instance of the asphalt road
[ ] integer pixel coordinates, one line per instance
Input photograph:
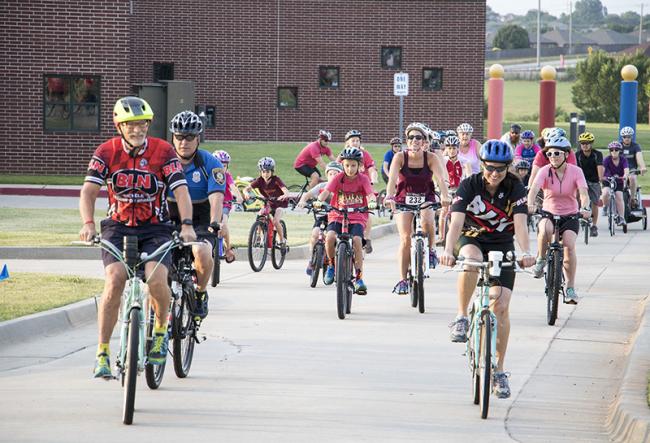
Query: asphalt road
(278, 365)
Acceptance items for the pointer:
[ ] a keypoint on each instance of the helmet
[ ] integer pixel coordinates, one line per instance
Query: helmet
(128, 109)
(334, 166)
(186, 122)
(395, 141)
(522, 164)
(436, 136)
(352, 133)
(465, 127)
(452, 141)
(528, 134)
(627, 131)
(222, 156)
(450, 132)
(615, 146)
(558, 142)
(495, 151)
(325, 135)
(554, 133)
(586, 137)
(426, 132)
(266, 164)
(351, 154)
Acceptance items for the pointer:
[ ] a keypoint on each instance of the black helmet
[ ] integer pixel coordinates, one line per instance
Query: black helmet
(352, 154)
(352, 133)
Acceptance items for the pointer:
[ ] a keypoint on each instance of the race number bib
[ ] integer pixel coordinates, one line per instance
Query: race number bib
(414, 199)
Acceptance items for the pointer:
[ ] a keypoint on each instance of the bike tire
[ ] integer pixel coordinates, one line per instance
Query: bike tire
(131, 366)
(413, 290)
(611, 224)
(183, 340)
(257, 246)
(586, 229)
(485, 363)
(316, 263)
(553, 286)
(153, 373)
(419, 273)
(216, 268)
(645, 219)
(342, 278)
(350, 291)
(277, 253)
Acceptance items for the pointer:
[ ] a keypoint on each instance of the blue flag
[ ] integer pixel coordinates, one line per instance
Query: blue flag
(4, 274)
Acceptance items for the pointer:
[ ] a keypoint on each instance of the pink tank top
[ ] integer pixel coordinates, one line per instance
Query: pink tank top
(471, 156)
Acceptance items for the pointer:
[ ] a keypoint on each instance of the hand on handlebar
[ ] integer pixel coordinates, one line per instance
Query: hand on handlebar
(532, 209)
(87, 232)
(389, 202)
(187, 233)
(526, 261)
(372, 204)
(317, 204)
(447, 259)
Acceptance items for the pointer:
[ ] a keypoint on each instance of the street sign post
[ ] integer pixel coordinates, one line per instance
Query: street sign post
(401, 89)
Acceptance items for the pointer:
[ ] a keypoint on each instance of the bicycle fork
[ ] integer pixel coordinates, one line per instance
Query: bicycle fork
(415, 239)
(475, 331)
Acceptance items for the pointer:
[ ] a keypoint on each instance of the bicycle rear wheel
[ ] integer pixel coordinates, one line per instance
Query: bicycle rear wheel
(316, 263)
(342, 278)
(553, 286)
(645, 218)
(257, 247)
(216, 257)
(278, 253)
(419, 273)
(131, 366)
(153, 373)
(485, 362)
(183, 333)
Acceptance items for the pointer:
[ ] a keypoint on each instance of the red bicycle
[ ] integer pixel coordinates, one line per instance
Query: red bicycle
(263, 237)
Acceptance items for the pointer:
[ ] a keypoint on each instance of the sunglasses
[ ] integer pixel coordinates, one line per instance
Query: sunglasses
(416, 137)
(137, 124)
(554, 154)
(614, 150)
(490, 168)
(188, 137)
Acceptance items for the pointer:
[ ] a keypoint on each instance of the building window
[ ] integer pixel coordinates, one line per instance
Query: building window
(163, 71)
(391, 57)
(432, 79)
(328, 77)
(287, 97)
(71, 102)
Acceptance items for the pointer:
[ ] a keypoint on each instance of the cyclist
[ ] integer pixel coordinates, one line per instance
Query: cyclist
(232, 191)
(310, 157)
(137, 170)
(488, 211)
(591, 162)
(511, 138)
(634, 156)
(206, 179)
(455, 174)
(522, 170)
(349, 189)
(615, 165)
(411, 175)
(560, 182)
(331, 170)
(395, 147)
(541, 159)
(527, 149)
(271, 187)
(468, 148)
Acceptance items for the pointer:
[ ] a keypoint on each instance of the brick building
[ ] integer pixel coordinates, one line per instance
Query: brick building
(272, 69)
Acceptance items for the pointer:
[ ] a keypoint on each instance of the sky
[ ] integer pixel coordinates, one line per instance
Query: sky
(557, 7)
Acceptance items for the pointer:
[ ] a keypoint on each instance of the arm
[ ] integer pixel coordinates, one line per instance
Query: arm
(640, 162)
(584, 199)
(235, 191)
(393, 174)
(384, 167)
(601, 172)
(533, 173)
(455, 227)
(521, 235)
(323, 195)
(285, 193)
(184, 202)
(626, 173)
(533, 190)
(88, 197)
(440, 177)
(216, 207)
(372, 171)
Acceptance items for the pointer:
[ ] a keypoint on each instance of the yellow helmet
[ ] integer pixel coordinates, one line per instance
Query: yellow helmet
(586, 137)
(128, 109)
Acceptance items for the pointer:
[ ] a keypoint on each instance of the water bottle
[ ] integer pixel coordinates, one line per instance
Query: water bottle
(494, 259)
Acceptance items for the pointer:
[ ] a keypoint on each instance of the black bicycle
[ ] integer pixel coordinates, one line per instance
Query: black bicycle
(317, 260)
(638, 213)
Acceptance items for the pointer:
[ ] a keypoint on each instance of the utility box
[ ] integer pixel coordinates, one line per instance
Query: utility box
(155, 95)
(167, 98)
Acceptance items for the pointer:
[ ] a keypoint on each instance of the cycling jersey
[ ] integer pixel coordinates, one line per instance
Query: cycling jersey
(271, 190)
(527, 154)
(228, 197)
(349, 192)
(615, 170)
(589, 164)
(367, 163)
(471, 156)
(137, 184)
(490, 218)
(560, 195)
(311, 154)
(415, 185)
(629, 152)
(455, 172)
(205, 175)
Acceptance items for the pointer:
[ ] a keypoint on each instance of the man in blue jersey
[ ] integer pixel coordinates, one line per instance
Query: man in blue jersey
(206, 179)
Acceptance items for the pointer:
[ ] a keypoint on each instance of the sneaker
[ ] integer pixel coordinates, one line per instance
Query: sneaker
(538, 269)
(570, 296)
(433, 259)
(368, 246)
(201, 309)
(103, 367)
(328, 279)
(458, 329)
(605, 211)
(593, 231)
(402, 287)
(360, 287)
(500, 385)
(309, 270)
(284, 248)
(158, 351)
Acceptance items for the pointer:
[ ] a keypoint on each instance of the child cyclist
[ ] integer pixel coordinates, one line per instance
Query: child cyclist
(273, 188)
(349, 189)
(454, 176)
(527, 149)
(231, 191)
(332, 169)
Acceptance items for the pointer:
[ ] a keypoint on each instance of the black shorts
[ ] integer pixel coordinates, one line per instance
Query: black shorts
(384, 176)
(319, 220)
(307, 171)
(150, 237)
(507, 278)
(566, 223)
(354, 229)
(202, 234)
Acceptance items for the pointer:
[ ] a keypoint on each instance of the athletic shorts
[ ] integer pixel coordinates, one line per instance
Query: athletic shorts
(594, 192)
(355, 229)
(566, 223)
(307, 171)
(320, 220)
(202, 234)
(507, 278)
(150, 237)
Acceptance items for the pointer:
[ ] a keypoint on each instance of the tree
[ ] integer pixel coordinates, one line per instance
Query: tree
(588, 12)
(511, 37)
(491, 15)
(597, 88)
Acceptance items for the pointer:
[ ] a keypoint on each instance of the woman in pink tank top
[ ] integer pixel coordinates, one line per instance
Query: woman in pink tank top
(468, 149)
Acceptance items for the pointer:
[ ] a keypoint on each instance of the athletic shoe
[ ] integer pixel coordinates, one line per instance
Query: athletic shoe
(458, 329)
(360, 287)
(433, 259)
(500, 385)
(103, 367)
(368, 246)
(309, 270)
(402, 287)
(328, 279)
(594, 231)
(538, 269)
(158, 351)
(570, 296)
(201, 309)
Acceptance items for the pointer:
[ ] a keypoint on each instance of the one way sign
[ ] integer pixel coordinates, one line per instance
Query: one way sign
(401, 84)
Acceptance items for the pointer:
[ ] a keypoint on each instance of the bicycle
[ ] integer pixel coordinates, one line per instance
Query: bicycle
(419, 266)
(482, 334)
(612, 212)
(263, 236)
(251, 204)
(218, 254)
(585, 225)
(317, 259)
(639, 213)
(554, 274)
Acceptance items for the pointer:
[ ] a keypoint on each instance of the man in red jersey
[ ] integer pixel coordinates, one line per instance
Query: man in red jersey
(310, 157)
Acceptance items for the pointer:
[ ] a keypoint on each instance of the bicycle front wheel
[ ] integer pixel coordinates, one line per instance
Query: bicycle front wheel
(184, 331)
(611, 223)
(419, 273)
(342, 279)
(485, 362)
(153, 373)
(216, 257)
(278, 253)
(316, 263)
(553, 286)
(585, 228)
(257, 247)
(131, 366)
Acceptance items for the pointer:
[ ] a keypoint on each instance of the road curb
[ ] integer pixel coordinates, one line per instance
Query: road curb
(629, 418)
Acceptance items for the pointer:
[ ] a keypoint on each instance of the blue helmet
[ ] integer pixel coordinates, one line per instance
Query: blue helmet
(495, 151)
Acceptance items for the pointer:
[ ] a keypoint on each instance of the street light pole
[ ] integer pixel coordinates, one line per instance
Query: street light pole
(570, 27)
(539, 25)
(641, 25)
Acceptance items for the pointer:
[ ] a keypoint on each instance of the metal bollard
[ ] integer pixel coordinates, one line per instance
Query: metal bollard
(573, 128)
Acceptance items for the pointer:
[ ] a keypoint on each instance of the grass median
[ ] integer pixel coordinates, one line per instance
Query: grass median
(25, 293)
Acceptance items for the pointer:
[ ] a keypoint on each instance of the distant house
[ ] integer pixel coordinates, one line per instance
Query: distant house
(645, 36)
(612, 41)
(643, 48)
(562, 40)
(544, 41)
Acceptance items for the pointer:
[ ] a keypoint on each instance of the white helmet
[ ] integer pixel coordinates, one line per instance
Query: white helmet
(266, 164)
(465, 127)
(186, 122)
(627, 131)
(423, 129)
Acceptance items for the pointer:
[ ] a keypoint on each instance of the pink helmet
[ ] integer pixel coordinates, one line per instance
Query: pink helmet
(222, 156)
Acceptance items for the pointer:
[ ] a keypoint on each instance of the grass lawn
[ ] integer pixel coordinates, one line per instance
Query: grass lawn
(18, 296)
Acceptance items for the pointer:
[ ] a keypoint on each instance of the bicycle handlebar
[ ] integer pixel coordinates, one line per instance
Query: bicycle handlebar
(417, 208)
(346, 210)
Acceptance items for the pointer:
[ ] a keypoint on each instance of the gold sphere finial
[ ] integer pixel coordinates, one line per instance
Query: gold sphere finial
(629, 73)
(548, 73)
(496, 71)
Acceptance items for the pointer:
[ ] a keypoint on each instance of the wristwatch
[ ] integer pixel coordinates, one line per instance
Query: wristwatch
(187, 221)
